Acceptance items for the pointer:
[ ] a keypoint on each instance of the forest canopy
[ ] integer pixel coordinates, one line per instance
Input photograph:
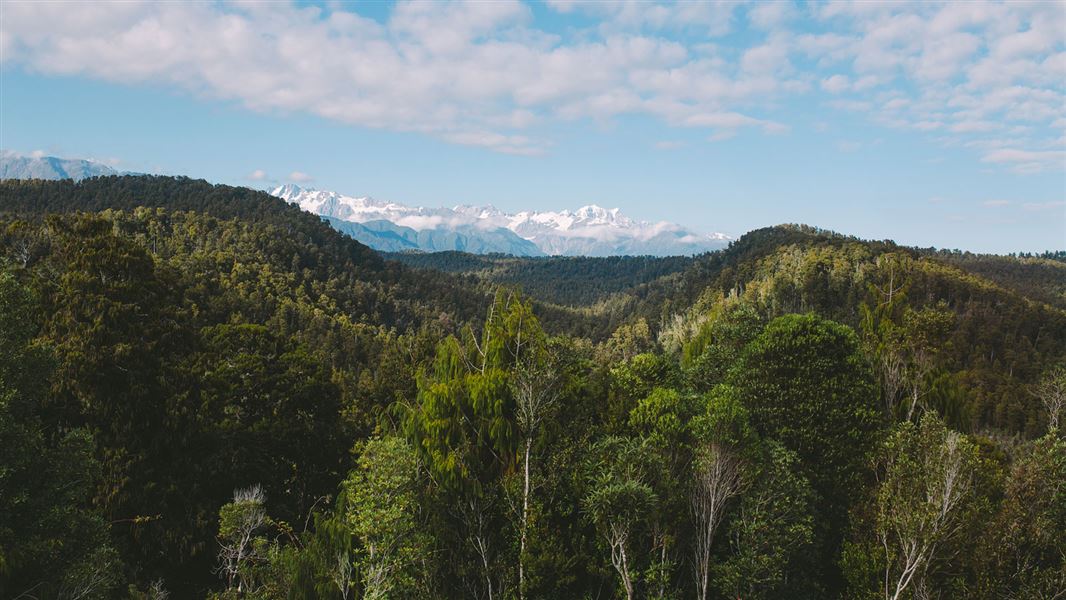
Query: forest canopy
(207, 393)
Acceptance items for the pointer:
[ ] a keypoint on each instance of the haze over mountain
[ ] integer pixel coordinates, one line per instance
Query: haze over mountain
(18, 166)
(588, 231)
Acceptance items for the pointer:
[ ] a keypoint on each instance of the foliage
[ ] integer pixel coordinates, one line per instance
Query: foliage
(807, 385)
(771, 532)
(641, 427)
(52, 544)
(931, 494)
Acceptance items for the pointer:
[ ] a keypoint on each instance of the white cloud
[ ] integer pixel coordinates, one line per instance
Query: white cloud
(967, 69)
(300, 177)
(513, 144)
(835, 84)
(995, 203)
(258, 175)
(1027, 161)
(709, 18)
(732, 121)
(473, 73)
(770, 15)
(484, 74)
(38, 154)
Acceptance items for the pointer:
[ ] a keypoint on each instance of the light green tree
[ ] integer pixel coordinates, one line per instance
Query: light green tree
(379, 508)
(926, 496)
(621, 502)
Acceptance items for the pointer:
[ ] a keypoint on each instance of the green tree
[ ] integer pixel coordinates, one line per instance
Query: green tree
(927, 498)
(664, 420)
(621, 502)
(771, 531)
(1024, 549)
(52, 542)
(806, 384)
(468, 424)
(707, 358)
(1052, 393)
(379, 508)
(719, 471)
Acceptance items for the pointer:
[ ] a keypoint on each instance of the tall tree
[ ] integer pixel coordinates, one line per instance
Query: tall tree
(621, 503)
(52, 542)
(664, 420)
(535, 387)
(379, 508)
(771, 530)
(723, 438)
(1052, 393)
(806, 385)
(466, 423)
(925, 498)
(242, 547)
(1023, 552)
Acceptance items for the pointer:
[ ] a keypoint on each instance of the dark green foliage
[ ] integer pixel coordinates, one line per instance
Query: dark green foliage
(1041, 278)
(771, 533)
(915, 534)
(709, 355)
(807, 385)
(565, 280)
(1022, 552)
(51, 540)
(164, 342)
(304, 252)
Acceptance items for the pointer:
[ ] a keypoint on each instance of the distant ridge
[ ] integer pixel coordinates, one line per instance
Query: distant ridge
(588, 231)
(392, 227)
(18, 166)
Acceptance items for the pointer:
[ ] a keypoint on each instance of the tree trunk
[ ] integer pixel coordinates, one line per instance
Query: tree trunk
(525, 522)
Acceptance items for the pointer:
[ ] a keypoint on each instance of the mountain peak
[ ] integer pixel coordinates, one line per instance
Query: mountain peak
(19, 166)
(287, 190)
(591, 230)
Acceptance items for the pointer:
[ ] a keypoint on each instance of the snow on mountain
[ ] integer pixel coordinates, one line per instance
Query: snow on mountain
(18, 166)
(428, 229)
(588, 231)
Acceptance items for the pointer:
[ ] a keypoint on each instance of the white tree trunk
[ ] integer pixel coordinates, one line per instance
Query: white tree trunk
(717, 481)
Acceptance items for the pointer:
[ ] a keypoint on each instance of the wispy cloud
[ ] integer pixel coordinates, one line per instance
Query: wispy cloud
(1027, 161)
(300, 177)
(488, 74)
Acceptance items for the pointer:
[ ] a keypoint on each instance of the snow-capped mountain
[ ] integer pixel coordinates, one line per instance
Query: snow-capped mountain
(394, 227)
(588, 231)
(18, 166)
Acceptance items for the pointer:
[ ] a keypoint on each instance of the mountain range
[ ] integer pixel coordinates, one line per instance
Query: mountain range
(391, 227)
(588, 231)
(18, 166)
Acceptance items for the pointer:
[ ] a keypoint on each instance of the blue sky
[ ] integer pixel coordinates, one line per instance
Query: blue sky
(934, 125)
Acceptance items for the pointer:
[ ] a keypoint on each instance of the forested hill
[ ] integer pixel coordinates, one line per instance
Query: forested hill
(1040, 277)
(293, 240)
(206, 392)
(572, 281)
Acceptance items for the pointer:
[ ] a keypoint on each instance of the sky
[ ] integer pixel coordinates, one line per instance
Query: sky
(930, 124)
